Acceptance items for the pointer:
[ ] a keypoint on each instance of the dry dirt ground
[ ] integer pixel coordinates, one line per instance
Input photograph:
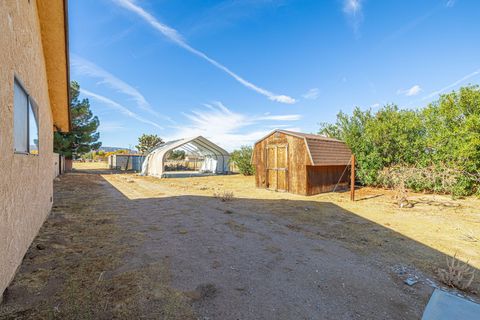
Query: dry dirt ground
(124, 246)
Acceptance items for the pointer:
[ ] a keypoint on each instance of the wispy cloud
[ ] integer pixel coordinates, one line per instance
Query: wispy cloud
(450, 3)
(418, 20)
(452, 85)
(411, 25)
(228, 128)
(354, 13)
(118, 107)
(177, 38)
(413, 91)
(287, 117)
(227, 13)
(84, 67)
(110, 126)
(311, 94)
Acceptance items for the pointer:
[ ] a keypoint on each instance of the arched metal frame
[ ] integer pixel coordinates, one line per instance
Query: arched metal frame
(154, 164)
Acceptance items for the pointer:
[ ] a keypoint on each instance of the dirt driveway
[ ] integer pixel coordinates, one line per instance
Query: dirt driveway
(122, 246)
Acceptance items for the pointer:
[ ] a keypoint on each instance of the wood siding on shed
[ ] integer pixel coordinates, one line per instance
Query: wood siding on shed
(324, 178)
(315, 163)
(298, 159)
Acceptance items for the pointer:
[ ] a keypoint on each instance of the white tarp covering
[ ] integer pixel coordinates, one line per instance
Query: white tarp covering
(215, 158)
(209, 165)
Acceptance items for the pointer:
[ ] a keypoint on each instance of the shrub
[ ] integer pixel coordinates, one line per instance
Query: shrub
(457, 274)
(224, 196)
(441, 141)
(243, 160)
(434, 178)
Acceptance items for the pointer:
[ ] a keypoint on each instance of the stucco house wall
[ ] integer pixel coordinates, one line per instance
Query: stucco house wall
(26, 183)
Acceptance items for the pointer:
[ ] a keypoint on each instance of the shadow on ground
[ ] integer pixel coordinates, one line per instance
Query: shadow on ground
(101, 255)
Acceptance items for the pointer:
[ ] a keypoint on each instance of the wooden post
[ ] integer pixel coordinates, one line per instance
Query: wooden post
(352, 178)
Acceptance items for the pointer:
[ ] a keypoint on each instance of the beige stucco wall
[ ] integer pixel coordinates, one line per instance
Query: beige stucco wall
(26, 182)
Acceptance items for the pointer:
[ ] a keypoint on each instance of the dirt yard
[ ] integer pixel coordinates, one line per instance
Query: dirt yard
(124, 246)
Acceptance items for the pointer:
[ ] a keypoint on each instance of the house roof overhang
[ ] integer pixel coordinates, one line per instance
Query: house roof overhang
(53, 17)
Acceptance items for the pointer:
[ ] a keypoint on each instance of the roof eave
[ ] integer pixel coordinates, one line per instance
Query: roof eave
(53, 19)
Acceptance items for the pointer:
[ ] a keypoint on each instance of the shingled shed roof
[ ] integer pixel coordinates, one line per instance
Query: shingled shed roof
(323, 151)
(328, 152)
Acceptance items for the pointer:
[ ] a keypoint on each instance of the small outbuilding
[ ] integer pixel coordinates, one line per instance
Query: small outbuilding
(300, 163)
(126, 162)
(214, 158)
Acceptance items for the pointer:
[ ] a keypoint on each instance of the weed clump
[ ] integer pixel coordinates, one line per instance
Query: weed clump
(457, 274)
(224, 196)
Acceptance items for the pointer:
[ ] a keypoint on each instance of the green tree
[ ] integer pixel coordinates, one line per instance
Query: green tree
(83, 136)
(453, 134)
(177, 155)
(442, 138)
(388, 137)
(243, 160)
(147, 142)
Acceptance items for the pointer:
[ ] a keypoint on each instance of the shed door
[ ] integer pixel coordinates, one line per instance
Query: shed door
(277, 167)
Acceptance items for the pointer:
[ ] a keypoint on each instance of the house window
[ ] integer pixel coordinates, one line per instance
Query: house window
(25, 122)
(33, 127)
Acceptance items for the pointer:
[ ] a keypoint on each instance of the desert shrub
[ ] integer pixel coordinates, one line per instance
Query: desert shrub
(243, 160)
(437, 179)
(457, 274)
(442, 141)
(224, 196)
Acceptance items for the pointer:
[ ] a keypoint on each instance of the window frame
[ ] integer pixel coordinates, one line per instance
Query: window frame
(33, 106)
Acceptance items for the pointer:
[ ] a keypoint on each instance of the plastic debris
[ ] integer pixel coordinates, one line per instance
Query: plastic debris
(411, 281)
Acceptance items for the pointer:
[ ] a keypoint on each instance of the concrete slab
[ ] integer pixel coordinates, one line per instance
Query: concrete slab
(185, 174)
(446, 306)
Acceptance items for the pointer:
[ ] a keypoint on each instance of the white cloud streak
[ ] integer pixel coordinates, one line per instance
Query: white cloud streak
(228, 128)
(84, 67)
(450, 3)
(288, 117)
(413, 91)
(110, 126)
(353, 11)
(177, 38)
(311, 94)
(452, 85)
(120, 108)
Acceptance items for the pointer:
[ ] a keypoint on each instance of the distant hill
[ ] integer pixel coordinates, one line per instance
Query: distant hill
(112, 149)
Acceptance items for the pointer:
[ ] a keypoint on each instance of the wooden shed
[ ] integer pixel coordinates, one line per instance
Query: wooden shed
(300, 163)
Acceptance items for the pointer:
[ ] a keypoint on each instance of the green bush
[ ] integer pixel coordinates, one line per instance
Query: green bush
(242, 158)
(444, 135)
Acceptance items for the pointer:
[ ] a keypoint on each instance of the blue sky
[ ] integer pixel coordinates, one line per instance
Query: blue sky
(233, 70)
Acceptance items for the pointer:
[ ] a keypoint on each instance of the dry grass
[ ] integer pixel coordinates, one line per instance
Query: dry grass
(90, 165)
(75, 274)
(224, 196)
(236, 227)
(420, 236)
(457, 274)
